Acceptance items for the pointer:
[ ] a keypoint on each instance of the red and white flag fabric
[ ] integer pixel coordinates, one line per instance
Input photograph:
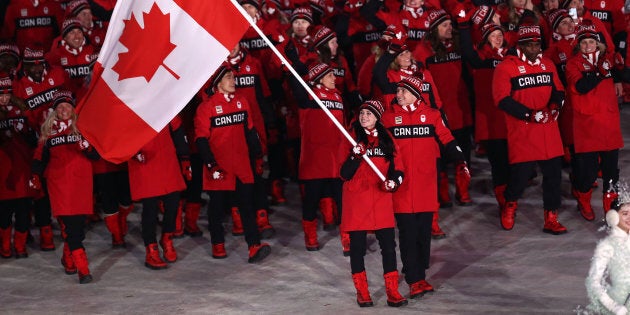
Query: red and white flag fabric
(157, 54)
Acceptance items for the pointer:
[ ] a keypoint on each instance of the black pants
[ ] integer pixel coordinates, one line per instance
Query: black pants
(498, 157)
(358, 244)
(73, 228)
(195, 186)
(114, 190)
(586, 165)
(260, 193)
(41, 208)
(414, 237)
(220, 203)
(150, 216)
(19, 208)
(520, 173)
(316, 189)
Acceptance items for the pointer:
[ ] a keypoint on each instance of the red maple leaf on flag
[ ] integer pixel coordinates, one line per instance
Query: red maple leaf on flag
(148, 46)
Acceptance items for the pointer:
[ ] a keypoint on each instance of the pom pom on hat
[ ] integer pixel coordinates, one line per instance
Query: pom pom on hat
(376, 107)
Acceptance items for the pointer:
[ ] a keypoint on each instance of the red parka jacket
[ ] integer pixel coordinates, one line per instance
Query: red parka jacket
(160, 173)
(596, 122)
(366, 206)
(418, 135)
(68, 173)
(15, 143)
(224, 122)
(531, 85)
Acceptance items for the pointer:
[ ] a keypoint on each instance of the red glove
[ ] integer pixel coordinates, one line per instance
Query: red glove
(216, 172)
(259, 166)
(83, 145)
(542, 116)
(186, 170)
(460, 14)
(35, 182)
(555, 111)
(358, 151)
(604, 66)
(390, 185)
(140, 157)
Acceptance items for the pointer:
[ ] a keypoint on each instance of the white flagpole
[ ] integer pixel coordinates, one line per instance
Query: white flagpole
(308, 89)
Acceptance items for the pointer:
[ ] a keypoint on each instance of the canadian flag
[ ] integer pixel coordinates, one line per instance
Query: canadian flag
(157, 54)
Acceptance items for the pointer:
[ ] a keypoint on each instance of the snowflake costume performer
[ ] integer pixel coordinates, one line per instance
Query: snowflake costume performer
(608, 281)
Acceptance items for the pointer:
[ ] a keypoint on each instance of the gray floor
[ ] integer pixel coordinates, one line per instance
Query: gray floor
(477, 269)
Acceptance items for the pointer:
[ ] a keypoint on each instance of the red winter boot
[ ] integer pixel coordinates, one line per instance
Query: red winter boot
(191, 215)
(46, 238)
(363, 293)
(262, 221)
(552, 226)
(237, 224)
(436, 231)
(499, 190)
(609, 199)
(394, 299)
(168, 250)
(462, 181)
(66, 260)
(5, 242)
(179, 227)
(310, 235)
(584, 204)
(152, 259)
(81, 261)
(277, 192)
(443, 194)
(19, 244)
(112, 222)
(508, 212)
(218, 251)
(123, 212)
(328, 217)
(345, 243)
(419, 288)
(258, 252)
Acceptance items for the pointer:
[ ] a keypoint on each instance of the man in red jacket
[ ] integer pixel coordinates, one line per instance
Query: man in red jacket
(526, 86)
(419, 131)
(228, 143)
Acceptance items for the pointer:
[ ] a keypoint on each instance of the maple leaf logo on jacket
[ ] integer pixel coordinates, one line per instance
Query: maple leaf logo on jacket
(150, 46)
